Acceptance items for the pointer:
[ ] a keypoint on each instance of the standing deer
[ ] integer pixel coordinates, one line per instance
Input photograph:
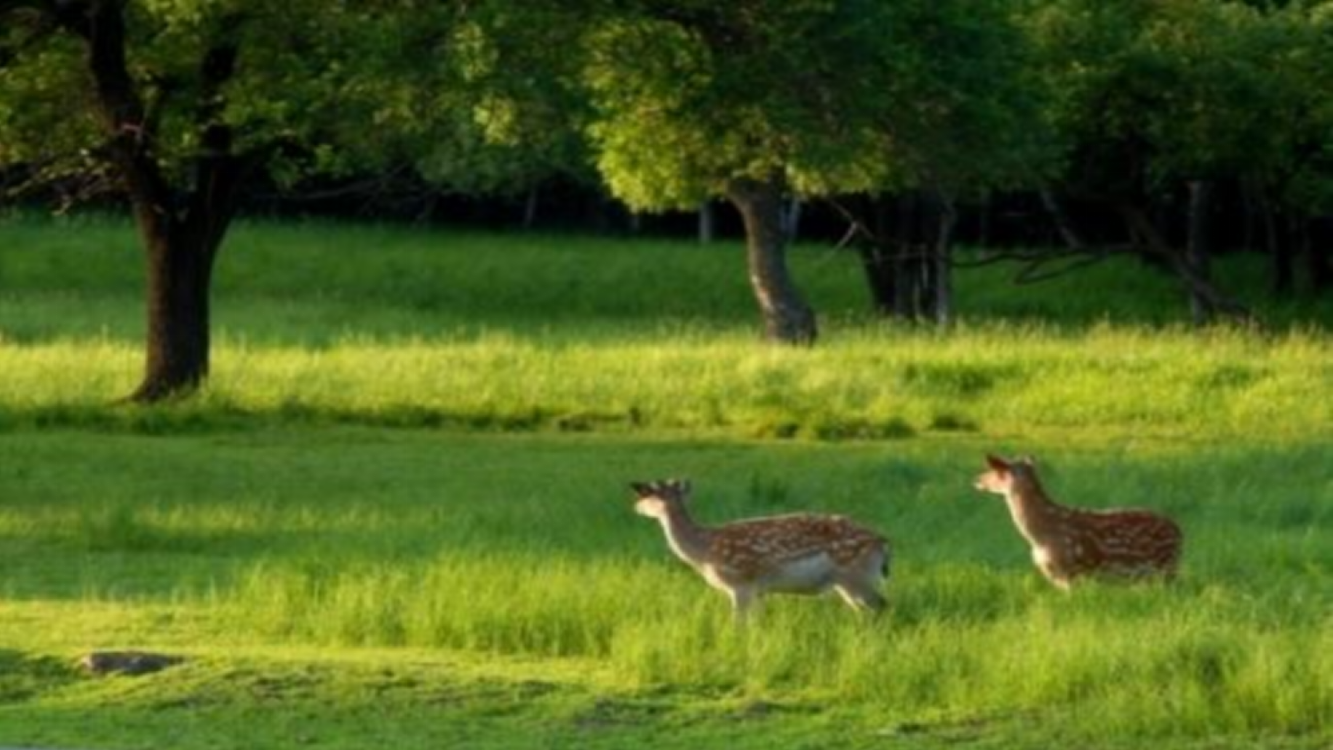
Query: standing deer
(1068, 543)
(794, 554)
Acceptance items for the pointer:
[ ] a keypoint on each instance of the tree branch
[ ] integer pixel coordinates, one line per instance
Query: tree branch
(1154, 243)
(102, 25)
(218, 171)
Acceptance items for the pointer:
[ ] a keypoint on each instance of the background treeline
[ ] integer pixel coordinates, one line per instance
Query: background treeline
(1059, 132)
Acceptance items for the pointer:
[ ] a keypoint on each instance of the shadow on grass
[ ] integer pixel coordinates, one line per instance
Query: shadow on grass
(24, 677)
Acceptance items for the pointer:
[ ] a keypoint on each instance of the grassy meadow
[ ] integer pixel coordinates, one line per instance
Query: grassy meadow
(398, 513)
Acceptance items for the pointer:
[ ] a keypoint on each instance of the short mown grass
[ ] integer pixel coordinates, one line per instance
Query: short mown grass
(398, 513)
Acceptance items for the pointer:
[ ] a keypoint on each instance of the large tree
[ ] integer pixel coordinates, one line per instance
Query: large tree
(1164, 101)
(749, 101)
(174, 104)
(965, 118)
(755, 100)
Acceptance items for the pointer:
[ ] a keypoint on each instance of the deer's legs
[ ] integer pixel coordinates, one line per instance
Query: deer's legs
(743, 602)
(861, 595)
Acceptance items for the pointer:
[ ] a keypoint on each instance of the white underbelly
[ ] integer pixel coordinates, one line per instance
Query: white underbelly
(806, 575)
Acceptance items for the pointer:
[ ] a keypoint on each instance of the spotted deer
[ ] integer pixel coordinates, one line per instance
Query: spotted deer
(1070, 543)
(793, 554)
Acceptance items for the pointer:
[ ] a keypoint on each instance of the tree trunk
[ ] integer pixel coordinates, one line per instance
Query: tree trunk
(179, 272)
(922, 242)
(1198, 248)
(943, 260)
(1154, 246)
(1056, 210)
(1278, 243)
(706, 222)
(181, 229)
(907, 260)
(984, 221)
(877, 257)
(530, 203)
(791, 221)
(787, 317)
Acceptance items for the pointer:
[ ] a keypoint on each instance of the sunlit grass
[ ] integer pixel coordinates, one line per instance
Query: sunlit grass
(868, 384)
(526, 548)
(400, 503)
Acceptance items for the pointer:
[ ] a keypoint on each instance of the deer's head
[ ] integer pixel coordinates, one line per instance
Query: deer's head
(1004, 476)
(656, 498)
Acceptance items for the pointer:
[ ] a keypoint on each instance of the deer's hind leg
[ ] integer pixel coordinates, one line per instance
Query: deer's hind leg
(861, 597)
(744, 601)
(859, 587)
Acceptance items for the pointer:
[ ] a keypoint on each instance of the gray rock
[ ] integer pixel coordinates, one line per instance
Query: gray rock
(102, 663)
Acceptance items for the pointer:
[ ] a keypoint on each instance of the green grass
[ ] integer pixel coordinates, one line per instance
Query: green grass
(335, 324)
(281, 555)
(399, 515)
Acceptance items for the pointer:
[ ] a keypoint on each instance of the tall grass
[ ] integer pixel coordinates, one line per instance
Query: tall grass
(269, 509)
(330, 323)
(867, 384)
(527, 547)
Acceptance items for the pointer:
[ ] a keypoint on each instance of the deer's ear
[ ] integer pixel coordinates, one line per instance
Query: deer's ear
(1028, 461)
(996, 463)
(641, 489)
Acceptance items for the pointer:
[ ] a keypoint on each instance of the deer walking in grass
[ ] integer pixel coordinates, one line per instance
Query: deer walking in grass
(1070, 543)
(794, 554)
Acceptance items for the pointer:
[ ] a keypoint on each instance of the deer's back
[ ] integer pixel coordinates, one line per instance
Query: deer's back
(758, 547)
(1116, 542)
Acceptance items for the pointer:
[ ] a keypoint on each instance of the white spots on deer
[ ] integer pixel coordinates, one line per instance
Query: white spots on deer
(796, 554)
(1069, 543)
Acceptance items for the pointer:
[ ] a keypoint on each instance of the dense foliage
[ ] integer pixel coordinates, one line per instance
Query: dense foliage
(1177, 129)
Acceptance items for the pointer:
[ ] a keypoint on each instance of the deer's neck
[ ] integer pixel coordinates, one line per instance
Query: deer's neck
(1035, 514)
(688, 539)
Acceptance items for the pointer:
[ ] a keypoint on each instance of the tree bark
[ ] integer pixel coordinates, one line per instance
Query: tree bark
(787, 317)
(179, 272)
(876, 251)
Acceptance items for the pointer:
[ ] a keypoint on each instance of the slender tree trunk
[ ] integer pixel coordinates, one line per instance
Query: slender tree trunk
(877, 256)
(906, 271)
(1198, 248)
(1278, 243)
(706, 222)
(787, 317)
(1252, 220)
(530, 203)
(791, 220)
(922, 243)
(984, 221)
(943, 260)
(1154, 246)
(1056, 210)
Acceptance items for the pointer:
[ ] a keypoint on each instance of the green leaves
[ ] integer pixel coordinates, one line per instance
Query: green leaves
(832, 95)
(1191, 89)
